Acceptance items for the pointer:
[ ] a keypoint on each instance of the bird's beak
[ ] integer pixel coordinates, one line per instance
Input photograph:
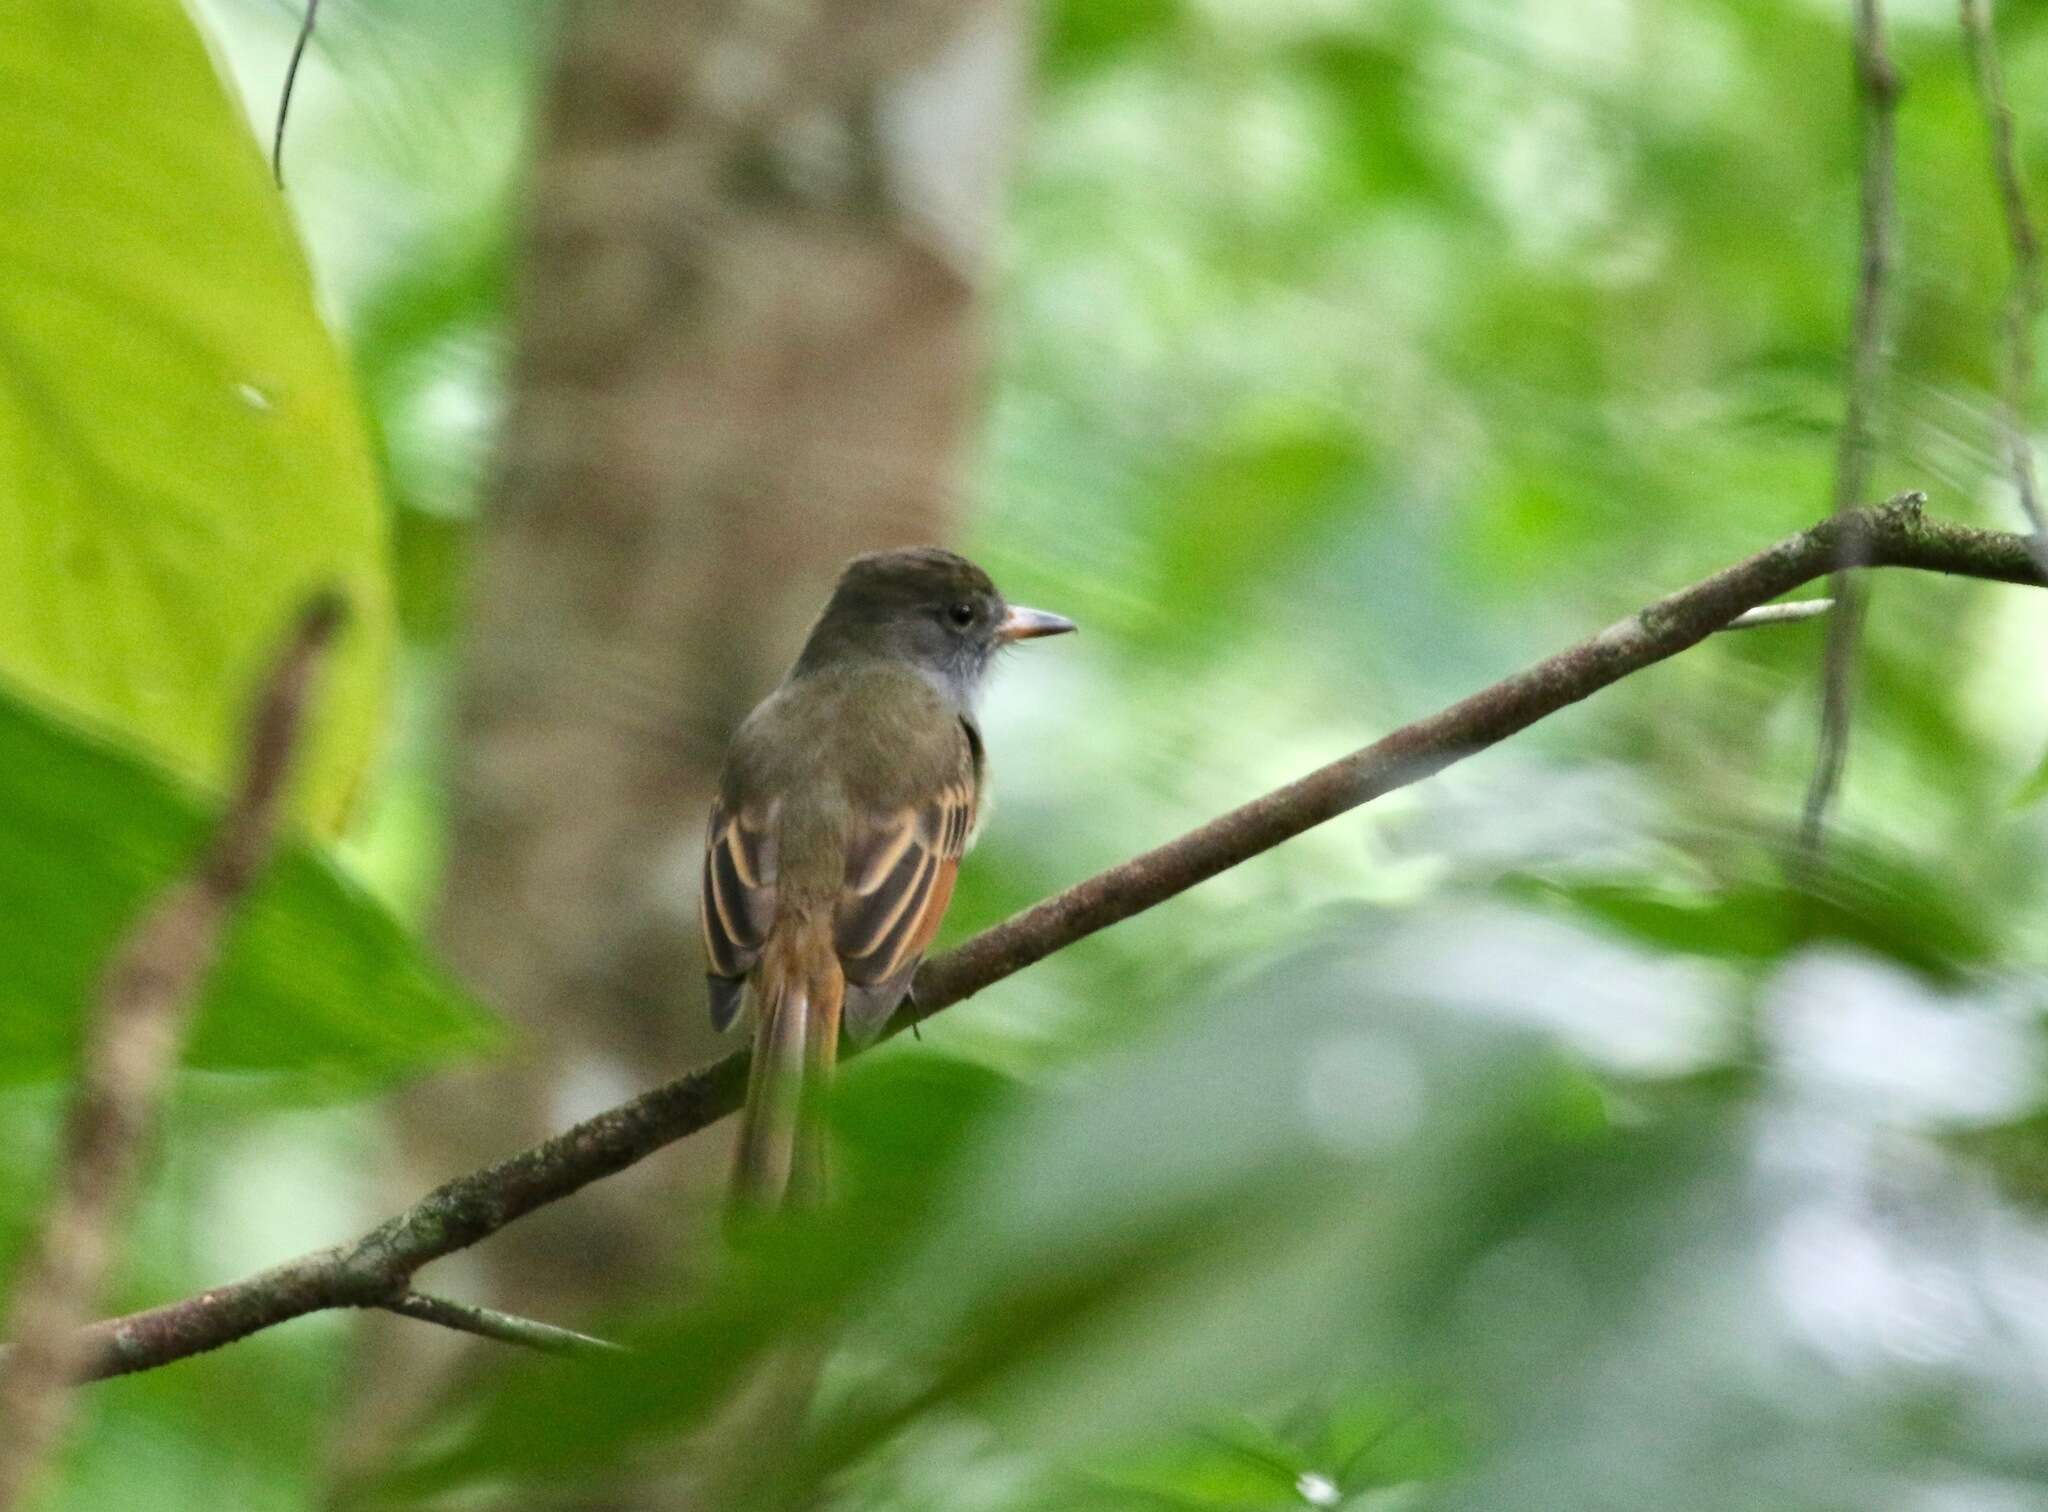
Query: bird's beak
(1029, 624)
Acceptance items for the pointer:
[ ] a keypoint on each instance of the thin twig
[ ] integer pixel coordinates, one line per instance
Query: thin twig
(489, 1323)
(1877, 90)
(2023, 293)
(369, 1271)
(1781, 614)
(131, 1041)
(284, 94)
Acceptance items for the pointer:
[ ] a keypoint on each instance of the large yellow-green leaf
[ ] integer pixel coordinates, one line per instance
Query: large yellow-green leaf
(181, 454)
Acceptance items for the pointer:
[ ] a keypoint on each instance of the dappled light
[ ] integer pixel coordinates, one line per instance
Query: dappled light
(1419, 1023)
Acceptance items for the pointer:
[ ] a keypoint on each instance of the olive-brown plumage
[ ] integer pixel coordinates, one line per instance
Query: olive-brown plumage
(847, 800)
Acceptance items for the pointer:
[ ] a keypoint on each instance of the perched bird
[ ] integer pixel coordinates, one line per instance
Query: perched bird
(847, 800)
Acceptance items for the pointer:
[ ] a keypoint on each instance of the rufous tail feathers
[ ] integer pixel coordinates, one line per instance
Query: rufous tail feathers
(797, 990)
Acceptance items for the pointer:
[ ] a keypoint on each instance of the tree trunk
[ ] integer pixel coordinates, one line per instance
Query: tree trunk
(747, 348)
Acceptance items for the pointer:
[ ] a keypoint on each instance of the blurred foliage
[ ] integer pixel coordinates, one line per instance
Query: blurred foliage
(1524, 1140)
(184, 457)
(318, 992)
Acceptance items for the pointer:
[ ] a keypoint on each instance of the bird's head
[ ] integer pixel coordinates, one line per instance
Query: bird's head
(926, 606)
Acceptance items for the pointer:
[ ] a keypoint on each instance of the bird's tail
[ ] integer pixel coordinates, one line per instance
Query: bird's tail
(798, 990)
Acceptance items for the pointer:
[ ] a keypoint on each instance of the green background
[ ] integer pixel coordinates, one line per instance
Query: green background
(1523, 1140)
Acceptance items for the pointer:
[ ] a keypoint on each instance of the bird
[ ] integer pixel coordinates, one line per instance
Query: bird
(847, 799)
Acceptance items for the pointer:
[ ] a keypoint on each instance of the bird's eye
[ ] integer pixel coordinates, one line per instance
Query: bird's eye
(961, 614)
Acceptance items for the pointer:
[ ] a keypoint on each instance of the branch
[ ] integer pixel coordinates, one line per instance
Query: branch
(1781, 614)
(1877, 89)
(2023, 296)
(489, 1323)
(372, 1270)
(131, 1043)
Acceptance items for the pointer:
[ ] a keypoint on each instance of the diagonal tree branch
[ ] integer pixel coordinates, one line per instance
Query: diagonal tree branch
(1877, 90)
(131, 1044)
(377, 1269)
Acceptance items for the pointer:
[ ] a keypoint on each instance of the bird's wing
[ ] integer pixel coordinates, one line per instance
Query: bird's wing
(900, 869)
(736, 905)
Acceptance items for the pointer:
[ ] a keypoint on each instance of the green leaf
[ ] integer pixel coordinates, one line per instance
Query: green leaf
(316, 979)
(2034, 789)
(181, 454)
(1216, 1469)
(1882, 900)
(1084, 35)
(1369, 85)
(1347, 1446)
